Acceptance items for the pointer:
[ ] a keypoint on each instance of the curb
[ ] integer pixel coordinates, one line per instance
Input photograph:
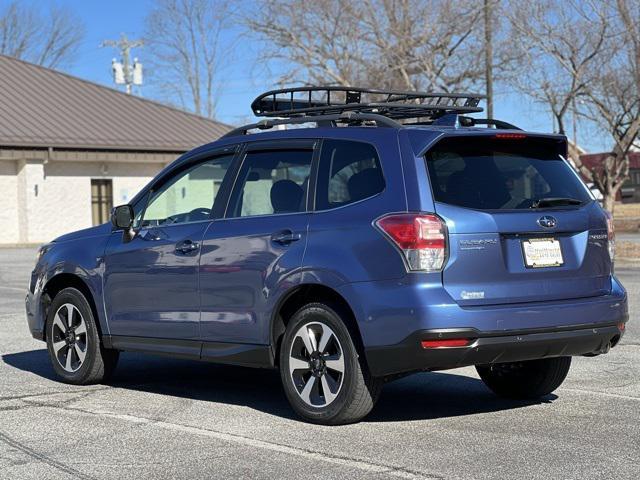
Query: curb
(631, 261)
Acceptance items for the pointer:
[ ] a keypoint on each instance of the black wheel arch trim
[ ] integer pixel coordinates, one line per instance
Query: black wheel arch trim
(275, 334)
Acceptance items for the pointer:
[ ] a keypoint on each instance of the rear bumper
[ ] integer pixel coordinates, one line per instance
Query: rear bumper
(394, 316)
(491, 347)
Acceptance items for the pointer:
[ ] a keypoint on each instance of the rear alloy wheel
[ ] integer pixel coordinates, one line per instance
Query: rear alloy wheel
(316, 364)
(321, 371)
(525, 380)
(73, 342)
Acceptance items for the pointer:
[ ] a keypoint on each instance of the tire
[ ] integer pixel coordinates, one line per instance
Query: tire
(351, 394)
(525, 380)
(67, 345)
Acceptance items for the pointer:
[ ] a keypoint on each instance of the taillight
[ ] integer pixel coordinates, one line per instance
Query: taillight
(611, 236)
(510, 136)
(422, 238)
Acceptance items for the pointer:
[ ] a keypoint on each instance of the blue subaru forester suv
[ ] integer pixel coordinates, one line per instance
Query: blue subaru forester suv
(395, 234)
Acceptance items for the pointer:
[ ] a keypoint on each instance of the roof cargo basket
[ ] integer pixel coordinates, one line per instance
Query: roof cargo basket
(393, 104)
(333, 106)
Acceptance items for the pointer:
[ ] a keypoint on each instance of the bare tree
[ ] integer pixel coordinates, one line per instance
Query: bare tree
(614, 99)
(557, 58)
(588, 67)
(406, 44)
(48, 38)
(187, 50)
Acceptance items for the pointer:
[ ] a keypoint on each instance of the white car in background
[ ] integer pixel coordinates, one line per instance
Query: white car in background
(597, 194)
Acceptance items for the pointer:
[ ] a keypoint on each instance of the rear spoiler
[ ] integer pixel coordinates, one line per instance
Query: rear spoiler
(423, 140)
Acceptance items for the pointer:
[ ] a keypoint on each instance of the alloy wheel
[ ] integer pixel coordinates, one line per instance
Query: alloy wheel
(316, 364)
(69, 337)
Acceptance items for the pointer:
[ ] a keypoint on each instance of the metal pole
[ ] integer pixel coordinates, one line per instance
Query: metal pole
(488, 55)
(126, 52)
(574, 121)
(125, 45)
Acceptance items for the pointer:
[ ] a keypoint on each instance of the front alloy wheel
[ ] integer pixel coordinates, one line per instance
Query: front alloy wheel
(69, 337)
(73, 340)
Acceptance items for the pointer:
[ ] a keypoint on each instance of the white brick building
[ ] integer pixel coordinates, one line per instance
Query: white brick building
(71, 149)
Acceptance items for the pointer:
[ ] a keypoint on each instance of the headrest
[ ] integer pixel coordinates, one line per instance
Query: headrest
(286, 196)
(364, 184)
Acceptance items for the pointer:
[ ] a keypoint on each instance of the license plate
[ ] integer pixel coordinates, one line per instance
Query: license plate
(542, 252)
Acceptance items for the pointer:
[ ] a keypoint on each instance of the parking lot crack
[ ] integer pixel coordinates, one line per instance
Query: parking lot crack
(43, 458)
(48, 394)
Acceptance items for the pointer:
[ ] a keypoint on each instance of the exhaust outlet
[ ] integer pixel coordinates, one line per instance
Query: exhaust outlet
(604, 349)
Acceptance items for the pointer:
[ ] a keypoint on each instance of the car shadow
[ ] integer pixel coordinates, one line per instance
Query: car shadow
(421, 396)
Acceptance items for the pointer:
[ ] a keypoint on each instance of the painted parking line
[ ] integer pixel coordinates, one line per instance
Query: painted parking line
(362, 465)
(604, 394)
(15, 289)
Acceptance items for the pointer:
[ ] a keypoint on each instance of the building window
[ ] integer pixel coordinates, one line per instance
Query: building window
(101, 200)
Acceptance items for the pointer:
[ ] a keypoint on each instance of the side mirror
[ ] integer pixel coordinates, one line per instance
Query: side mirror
(122, 217)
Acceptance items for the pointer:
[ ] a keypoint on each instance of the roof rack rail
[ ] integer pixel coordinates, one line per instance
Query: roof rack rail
(320, 120)
(453, 120)
(472, 122)
(394, 104)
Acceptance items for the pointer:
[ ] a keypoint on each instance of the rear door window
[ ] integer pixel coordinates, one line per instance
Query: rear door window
(272, 182)
(498, 174)
(348, 172)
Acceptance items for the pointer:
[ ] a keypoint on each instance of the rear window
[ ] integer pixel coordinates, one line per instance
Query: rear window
(501, 174)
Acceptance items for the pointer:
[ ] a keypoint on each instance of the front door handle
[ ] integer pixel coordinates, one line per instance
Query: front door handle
(285, 237)
(187, 246)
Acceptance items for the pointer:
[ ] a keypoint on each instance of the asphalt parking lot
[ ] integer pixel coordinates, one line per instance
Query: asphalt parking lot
(165, 418)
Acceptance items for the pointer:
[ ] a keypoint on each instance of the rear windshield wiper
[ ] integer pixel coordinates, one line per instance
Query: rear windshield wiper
(555, 202)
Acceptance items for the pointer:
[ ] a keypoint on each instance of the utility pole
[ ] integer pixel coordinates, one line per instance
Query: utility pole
(488, 55)
(125, 72)
(574, 121)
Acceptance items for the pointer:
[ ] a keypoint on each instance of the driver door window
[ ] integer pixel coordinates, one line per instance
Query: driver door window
(189, 196)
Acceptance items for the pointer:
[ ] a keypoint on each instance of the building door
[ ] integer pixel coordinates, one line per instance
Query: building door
(101, 200)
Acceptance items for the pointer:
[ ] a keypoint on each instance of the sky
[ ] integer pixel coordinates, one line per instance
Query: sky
(107, 19)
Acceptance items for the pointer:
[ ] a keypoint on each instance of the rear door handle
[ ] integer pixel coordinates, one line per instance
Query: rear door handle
(285, 237)
(187, 246)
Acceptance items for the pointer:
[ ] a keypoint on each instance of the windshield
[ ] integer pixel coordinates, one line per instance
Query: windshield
(486, 173)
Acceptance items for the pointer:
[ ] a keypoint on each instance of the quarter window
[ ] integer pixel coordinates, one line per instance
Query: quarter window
(189, 196)
(349, 172)
(274, 181)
